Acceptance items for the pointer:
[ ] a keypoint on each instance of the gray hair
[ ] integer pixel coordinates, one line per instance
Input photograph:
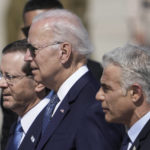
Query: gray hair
(134, 62)
(67, 27)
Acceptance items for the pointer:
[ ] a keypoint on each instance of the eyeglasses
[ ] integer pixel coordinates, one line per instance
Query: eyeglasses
(33, 49)
(10, 79)
(25, 30)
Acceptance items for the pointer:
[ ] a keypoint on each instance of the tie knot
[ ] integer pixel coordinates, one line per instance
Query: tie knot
(54, 99)
(18, 127)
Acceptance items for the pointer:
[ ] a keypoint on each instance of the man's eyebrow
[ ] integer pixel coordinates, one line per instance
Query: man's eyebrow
(104, 85)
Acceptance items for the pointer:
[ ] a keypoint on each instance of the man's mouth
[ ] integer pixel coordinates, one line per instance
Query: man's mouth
(6, 95)
(105, 109)
(34, 69)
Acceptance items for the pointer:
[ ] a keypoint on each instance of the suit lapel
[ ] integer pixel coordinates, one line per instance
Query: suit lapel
(64, 108)
(34, 133)
(141, 137)
(11, 134)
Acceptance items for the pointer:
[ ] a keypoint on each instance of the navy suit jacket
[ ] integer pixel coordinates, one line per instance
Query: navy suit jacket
(32, 137)
(142, 142)
(95, 68)
(9, 117)
(71, 128)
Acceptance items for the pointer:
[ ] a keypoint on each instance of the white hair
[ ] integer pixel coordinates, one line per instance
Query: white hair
(67, 27)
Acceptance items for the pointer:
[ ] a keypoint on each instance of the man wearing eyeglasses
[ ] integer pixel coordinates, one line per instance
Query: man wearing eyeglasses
(58, 50)
(22, 95)
(33, 8)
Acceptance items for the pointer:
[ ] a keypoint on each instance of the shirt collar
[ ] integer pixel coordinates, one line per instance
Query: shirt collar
(134, 131)
(30, 116)
(66, 86)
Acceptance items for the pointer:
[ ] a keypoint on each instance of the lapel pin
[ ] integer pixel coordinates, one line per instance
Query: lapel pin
(62, 110)
(32, 139)
(134, 148)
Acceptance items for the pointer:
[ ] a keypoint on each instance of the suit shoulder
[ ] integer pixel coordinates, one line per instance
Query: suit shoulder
(95, 67)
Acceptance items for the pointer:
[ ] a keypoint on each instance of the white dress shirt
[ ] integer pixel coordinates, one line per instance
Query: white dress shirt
(135, 130)
(30, 116)
(66, 86)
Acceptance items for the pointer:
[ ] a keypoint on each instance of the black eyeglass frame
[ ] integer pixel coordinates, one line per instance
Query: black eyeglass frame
(10, 79)
(33, 49)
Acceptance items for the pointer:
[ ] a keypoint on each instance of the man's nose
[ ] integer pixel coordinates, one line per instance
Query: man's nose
(100, 95)
(3, 83)
(28, 56)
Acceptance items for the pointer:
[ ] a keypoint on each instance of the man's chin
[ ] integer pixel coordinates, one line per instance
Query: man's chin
(37, 79)
(7, 104)
(108, 118)
(111, 119)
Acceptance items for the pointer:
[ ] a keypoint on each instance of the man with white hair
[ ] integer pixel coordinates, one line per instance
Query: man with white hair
(58, 50)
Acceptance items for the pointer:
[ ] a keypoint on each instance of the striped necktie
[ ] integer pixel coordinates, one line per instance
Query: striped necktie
(17, 136)
(49, 111)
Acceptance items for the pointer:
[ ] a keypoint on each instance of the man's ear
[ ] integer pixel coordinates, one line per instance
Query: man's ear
(39, 87)
(136, 92)
(65, 52)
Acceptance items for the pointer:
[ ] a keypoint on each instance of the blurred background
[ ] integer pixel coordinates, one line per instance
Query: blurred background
(106, 22)
(110, 23)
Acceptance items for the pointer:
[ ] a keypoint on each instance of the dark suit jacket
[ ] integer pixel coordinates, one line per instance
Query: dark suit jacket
(142, 142)
(32, 137)
(66, 130)
(96, 68)
(105, 136)
(9, 118)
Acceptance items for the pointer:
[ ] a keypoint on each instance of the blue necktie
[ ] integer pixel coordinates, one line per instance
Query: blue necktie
(17, 136)
(125, 142)
(49, 111)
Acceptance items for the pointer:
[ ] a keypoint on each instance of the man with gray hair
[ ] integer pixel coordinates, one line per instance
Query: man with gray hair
(58, 50)
(125, 93)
